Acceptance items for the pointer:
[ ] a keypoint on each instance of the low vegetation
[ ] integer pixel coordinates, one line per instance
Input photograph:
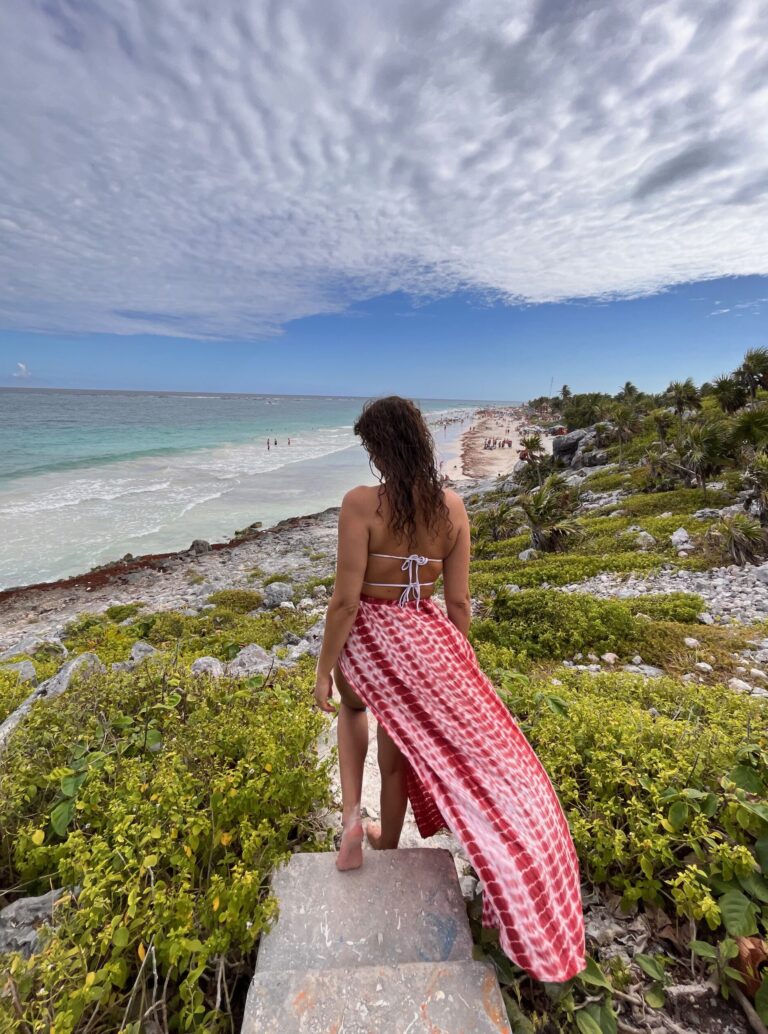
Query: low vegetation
(162, 801)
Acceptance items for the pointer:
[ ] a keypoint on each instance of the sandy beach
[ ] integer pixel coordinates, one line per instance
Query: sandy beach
(502, 424)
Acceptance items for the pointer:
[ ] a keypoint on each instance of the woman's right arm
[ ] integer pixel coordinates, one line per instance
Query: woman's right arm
(456, 570)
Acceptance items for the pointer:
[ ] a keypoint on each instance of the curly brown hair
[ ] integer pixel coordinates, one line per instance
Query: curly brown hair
(399, 442)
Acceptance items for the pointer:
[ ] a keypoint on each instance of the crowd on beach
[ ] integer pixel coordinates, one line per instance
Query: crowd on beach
(498, 443)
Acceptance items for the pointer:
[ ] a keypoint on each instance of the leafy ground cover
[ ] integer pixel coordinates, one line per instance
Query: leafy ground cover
(664, 788)
(165, 801)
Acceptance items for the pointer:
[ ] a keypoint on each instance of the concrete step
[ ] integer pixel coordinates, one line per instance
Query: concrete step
(410, 998)
(400, 906)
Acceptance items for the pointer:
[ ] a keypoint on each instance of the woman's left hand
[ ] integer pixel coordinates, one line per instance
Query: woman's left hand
(324, 693)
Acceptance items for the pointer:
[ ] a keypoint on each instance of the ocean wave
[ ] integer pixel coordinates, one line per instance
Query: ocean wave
(55, 491)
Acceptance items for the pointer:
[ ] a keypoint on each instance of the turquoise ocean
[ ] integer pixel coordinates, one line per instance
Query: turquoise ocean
(87, 476)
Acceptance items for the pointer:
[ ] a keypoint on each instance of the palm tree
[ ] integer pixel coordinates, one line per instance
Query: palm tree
(683, 395)
(662, 420)
(627, 392)
(536, 451)
(498, 522)
(739, 538)
(658, 472)
(565, 393)
(750, 427)
(702, 450)
(753, 372)
(625, 420)
(549, 514)
(756, 481)
(730, 394)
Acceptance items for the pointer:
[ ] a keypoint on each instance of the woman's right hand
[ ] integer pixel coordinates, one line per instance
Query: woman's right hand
(324, 693)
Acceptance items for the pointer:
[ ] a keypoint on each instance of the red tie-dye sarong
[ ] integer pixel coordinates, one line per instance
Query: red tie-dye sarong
(471, 770)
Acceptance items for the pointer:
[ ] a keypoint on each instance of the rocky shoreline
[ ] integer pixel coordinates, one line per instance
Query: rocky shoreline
(299, 548)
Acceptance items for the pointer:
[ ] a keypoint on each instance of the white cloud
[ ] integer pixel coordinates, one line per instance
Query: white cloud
(216, 170)
(22, 370)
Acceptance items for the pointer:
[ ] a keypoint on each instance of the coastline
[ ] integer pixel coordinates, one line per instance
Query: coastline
(111, 475)
(300, 547)
(502, 423)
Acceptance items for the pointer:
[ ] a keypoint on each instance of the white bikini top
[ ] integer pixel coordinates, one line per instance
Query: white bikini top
(411, 565)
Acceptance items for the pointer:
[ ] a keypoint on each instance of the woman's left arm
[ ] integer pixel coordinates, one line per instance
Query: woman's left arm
(351, 561)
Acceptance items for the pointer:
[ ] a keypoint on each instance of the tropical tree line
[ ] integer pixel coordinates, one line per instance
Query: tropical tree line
(685, 435)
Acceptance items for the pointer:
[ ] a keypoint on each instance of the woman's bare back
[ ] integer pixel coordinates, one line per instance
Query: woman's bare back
(436, 545)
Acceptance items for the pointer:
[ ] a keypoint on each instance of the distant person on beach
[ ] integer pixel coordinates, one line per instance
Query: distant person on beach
(446, 742)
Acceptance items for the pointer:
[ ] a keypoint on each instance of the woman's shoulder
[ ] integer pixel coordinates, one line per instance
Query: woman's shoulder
(360, 496)
(453, 500)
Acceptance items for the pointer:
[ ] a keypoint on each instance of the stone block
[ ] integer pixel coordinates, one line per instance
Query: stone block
(400, 906)
(420, 998)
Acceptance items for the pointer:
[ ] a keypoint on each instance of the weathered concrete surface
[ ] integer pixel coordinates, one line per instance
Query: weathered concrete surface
(417, 998)
(400, 906)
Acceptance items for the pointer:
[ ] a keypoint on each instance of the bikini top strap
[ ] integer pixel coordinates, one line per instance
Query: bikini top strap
(411, 565)
(426, 559)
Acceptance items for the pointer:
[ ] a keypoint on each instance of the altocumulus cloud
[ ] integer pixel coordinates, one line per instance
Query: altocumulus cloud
(215, 170)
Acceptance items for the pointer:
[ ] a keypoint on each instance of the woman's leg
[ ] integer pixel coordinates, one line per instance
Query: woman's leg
(352, 736)
(394, 797)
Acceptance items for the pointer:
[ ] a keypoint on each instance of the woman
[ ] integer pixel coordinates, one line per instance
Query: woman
(445, 739)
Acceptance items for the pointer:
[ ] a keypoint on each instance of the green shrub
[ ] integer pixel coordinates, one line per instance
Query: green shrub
(238, 600)
(679, 501)
(275, 578)
(12, 692)
(566, 568)
(674, 606)
(217, 632)
(122, 611)
(607, 480)
(662, 785)
(167, 800)
(544, 623)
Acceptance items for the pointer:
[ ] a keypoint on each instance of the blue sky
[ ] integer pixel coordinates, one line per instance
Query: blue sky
(458, 347)
(446, 198)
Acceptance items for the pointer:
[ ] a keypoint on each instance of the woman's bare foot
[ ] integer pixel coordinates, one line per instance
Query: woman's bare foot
(373, 833)
(350, 855)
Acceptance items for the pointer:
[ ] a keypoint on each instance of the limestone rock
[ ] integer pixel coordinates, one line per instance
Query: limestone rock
(680, 538)
(276, 593)
(20, 921)
(32, 643)
(691, 643)
(645, 539)
(648, 670)
(141, 650)
(761, 573)
(526, 554)
(739, 685)
(252, 660)
(208, 666)
(200, 546)
(24, 669)
(565, 445)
